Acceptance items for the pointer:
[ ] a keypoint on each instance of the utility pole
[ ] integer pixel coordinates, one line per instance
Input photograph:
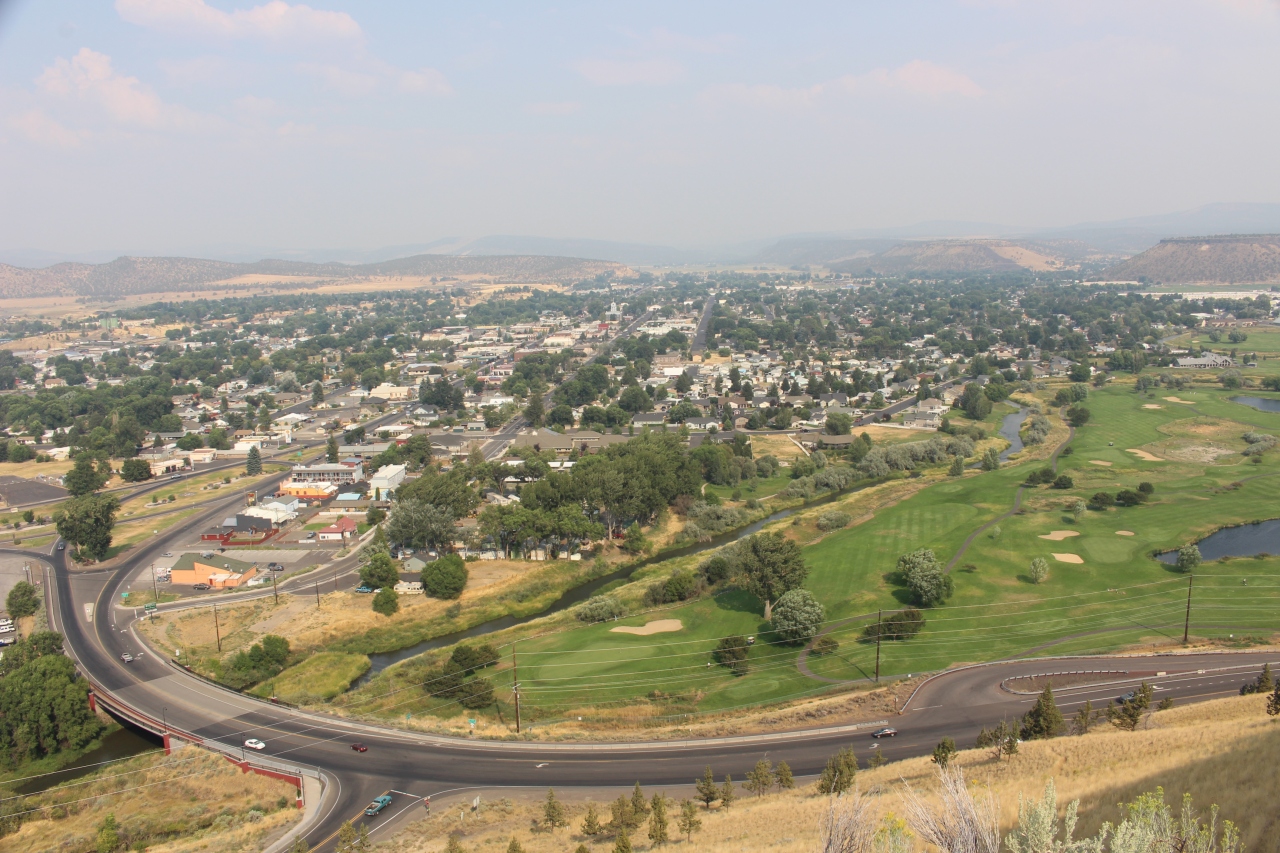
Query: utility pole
(274, 590)
(1186, 626)
(878, 613)
(515, 685)
(216, 632)
(317, 595)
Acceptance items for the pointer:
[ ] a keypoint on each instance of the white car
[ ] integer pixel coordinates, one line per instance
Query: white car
(254, 743)
(6, 629)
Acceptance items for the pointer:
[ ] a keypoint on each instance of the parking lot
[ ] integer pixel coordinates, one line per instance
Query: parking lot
(11, 572)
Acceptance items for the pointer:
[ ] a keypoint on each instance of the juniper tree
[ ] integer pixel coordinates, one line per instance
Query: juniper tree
(658, 820)
(1044, 720)
(514, 846)
(760, 779)
(591, 823)
(689, 822)
(639, 805)
(944, 752)
(782, 776)
(837, 777)
(708, 790)
(552, 812)
(727, 796)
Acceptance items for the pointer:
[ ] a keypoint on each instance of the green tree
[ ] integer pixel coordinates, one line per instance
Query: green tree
(445, 577)
(782, 776)
(1038, 571)
(708, 790)
(1273, 702)
(346, 836)
(1263, 684)
(420, 524)
(300, 845)
(317, 395)
(760, 779)
(731, 652)
(990, 459)
(658, 820)
(591, 823)
(727, 795)
(1078, 416)
(514, 846)
(1044, 720)
(23, 600)
(944, 752)
(386, 601)
(253, 464)
(1128, 714)
(535, 411)
(108, 839)
(86, 522)
(925, 578)
(975, 402)
(797, 616)
(1188, 558)
(622, 844)
(635, 400)
(838, 423)
(1077, 509)
(689, 822)
(331, 450)
(363, 843)
(454, 844)
(135, 470)
(639, 804)
(957, 466)
(771, 565)
(553, 812)
(837, 777)
(380, 572)
(84, 478)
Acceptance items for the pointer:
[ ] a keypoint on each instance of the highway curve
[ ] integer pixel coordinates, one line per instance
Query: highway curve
(955, 704)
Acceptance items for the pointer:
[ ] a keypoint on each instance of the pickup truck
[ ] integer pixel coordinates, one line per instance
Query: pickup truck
(365, 589)
(378, 805)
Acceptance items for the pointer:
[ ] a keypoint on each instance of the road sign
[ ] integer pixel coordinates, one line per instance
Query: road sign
(149, 606)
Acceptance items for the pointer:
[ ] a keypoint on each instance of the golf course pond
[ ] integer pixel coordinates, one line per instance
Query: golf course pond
(1245, 540)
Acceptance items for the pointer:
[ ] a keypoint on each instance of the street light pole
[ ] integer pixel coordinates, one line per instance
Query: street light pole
(155, 591)
(216, 632)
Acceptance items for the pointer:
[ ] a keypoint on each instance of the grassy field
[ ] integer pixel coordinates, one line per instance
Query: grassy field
(1225, 752)
(764, 487)
(191, 800)
(1104, 590)
(319, 678)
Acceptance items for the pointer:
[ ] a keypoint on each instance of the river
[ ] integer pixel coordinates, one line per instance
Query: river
(124, 742)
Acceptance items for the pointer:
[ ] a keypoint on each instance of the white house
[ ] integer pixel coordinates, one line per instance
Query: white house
(387, 479)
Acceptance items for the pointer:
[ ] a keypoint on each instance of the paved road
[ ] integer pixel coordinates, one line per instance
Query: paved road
(895, 408)
(452, 770)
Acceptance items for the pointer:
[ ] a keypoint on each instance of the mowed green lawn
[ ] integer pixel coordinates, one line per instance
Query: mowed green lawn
(1116, 596)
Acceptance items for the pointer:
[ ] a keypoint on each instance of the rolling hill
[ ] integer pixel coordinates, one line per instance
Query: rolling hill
(950, 257)
(1232, 258)
(129, 275)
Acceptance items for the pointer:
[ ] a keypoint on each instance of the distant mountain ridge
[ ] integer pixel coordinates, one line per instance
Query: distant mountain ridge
(133, 275)
(1219, 259)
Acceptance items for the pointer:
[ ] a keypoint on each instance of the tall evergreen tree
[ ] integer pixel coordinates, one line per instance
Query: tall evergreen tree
(639, 805)
(782, 776)
(623, 842)
(253, 464)
(760, 779)
(658, 820)
(689, 822)
(1044, 720)
(837, 777)
(331, 450)
(708, 790)
(591, 823)
(727, 795)
(552, 812)
(317, 394)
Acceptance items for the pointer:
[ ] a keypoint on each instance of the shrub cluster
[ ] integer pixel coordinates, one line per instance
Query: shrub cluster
(900, 626)
(601, 608)
(707, 520)
(1259, 443)
(681, 586)
(834, 520)
(450, 682)
(880, 461)
(1037, 430)
(731, 653)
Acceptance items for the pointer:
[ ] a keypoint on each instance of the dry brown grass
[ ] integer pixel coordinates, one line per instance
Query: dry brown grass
(202, 800)
(1225, 752)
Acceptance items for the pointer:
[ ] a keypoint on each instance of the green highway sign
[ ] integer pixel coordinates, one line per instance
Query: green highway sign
(149, 607)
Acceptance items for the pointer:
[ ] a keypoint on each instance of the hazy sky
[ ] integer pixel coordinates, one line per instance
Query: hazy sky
(166, 125)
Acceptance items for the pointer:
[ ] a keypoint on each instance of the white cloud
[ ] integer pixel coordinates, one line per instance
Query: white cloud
(553, 108)
(89, 76)
(275, 20)
(427, 81)
(40, 128)
(918, 77)
(611, 72)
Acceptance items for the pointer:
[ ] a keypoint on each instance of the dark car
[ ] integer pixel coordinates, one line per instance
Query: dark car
(885, 732)
(1128, 697)
(359, 747)
(62, 546)
(275, 567)
(201, 586)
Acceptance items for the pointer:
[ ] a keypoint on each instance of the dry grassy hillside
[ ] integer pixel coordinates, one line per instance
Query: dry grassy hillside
(965, 256)
(1253, 258)
(125, 276)
(1225, 752)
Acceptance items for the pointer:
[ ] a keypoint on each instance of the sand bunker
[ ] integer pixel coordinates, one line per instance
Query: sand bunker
(1099, 462)
(1144, 455)
(1124, 532)
(1061, 558)
(1151, 406)
(1176, 400)
(662, 626)
(1059, 535)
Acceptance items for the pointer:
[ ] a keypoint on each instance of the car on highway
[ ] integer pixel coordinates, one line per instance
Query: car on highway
(126, 657)
(254, 743)
(62, 546)
(167, 554)
(378, 805)
(1128, 697)
(176, 477)
(201, 586)
(885, 732)
(359, 747)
